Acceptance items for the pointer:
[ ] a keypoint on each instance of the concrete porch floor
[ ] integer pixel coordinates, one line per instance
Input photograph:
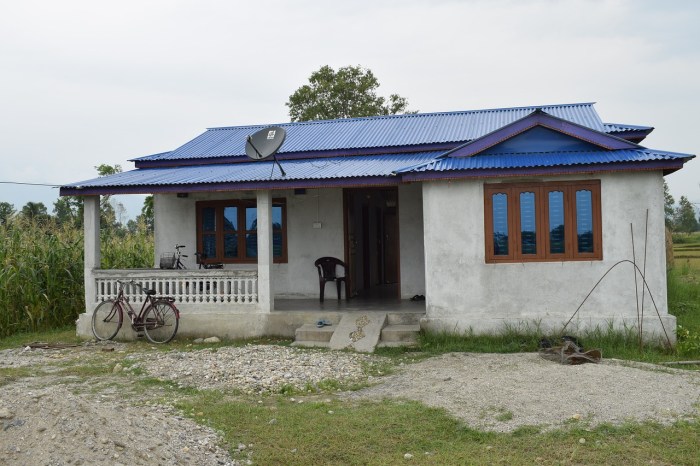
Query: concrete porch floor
(382, 298)
(353, 305)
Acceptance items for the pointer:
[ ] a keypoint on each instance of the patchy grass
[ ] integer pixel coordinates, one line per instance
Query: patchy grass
(188, 344)
(60, 335)
(10, 374)
(613, 343)
(334, 432)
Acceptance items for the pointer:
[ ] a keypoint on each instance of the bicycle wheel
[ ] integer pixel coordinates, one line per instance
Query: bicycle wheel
(160, 322)
(107, 320)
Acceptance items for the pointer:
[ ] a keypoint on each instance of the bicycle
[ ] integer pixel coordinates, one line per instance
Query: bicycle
(201, 260)
(171, 260)
(158, 318)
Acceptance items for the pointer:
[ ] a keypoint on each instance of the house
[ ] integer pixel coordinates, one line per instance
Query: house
(498, 217)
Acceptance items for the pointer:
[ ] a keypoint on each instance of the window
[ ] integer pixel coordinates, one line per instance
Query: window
(555, 221)
(227, 231)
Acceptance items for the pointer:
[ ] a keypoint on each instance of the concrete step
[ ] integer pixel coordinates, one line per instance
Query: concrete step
(310, 332)
(403, 318)
(359, 331)
(400, 333)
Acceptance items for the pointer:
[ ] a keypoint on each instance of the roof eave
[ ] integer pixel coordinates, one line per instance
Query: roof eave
(230, 187)
(667, 166)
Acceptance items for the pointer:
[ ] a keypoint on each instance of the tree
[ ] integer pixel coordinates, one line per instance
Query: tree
(668, 206)
(147, 215)
(35, 210)
(348, 93)
(107, 212)
(684, 217)
(7, 210)
(104, 169)
(69, 209)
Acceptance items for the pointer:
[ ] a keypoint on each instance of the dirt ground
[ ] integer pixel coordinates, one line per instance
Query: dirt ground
(53, 412)
(501, 392)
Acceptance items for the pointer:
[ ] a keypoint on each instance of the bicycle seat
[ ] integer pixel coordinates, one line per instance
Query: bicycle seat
(149, 292)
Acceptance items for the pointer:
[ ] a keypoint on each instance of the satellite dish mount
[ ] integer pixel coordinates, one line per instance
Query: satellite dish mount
(265, 143)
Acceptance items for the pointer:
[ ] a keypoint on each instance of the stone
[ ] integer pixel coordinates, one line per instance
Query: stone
(212, 340)
(198, 340)
(582, 440)
(408, 456)
(117, 369)
(6, 414)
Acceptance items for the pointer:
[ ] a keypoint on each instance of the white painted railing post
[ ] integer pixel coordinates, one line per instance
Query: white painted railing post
(266, 300)
(91, 222)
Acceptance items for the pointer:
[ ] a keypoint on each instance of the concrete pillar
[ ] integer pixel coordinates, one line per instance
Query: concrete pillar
(91, 222)
(266, 300)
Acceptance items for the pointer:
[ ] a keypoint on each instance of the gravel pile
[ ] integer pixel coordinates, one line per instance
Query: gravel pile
(44, 423)
(256, 369)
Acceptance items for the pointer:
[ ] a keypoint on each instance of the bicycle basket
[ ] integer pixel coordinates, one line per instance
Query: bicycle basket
(167, 260)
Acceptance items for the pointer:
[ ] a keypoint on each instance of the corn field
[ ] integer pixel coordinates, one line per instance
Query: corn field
(41, 281)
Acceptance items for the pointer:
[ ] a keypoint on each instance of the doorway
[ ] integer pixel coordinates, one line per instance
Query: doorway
(372, 241)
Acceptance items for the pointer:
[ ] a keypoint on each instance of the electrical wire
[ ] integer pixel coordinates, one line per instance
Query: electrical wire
(31, 184)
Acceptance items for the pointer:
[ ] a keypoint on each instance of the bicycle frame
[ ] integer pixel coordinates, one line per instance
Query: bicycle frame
(158, 317)
(137, 318)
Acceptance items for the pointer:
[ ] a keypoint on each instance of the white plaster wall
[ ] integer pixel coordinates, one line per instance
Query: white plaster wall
(411, 248)
(298, 278)
(463, 292)
(175, 224)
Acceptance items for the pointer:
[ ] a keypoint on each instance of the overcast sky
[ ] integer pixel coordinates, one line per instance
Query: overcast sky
(86, 82)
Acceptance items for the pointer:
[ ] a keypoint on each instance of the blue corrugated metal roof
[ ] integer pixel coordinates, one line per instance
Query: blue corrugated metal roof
(307, 169)
(623, 128)
(335, 168)
(371, 132)
(543, 159)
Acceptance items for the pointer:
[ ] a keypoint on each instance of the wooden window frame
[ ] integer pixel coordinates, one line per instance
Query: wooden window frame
(542, 190)
(242, 230)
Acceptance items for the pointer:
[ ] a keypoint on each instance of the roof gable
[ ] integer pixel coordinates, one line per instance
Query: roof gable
(548, 131)
(540, 139)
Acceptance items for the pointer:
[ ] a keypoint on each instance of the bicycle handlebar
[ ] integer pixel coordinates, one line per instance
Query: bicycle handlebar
(132, 282)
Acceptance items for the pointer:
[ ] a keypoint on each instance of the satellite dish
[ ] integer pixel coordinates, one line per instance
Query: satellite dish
(264, 143)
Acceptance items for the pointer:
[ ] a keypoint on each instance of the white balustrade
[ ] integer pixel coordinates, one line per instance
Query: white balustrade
(213, 287)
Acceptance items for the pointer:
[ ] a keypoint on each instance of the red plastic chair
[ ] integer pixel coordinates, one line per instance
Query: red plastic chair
(328, 272)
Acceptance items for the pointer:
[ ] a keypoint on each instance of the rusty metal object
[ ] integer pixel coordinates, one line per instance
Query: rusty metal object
(570, 354)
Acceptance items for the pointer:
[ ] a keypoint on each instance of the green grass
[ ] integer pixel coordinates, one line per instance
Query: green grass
(336, 432)
(10, 374)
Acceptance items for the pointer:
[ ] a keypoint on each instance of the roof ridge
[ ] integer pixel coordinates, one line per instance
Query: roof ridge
(402, 115)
